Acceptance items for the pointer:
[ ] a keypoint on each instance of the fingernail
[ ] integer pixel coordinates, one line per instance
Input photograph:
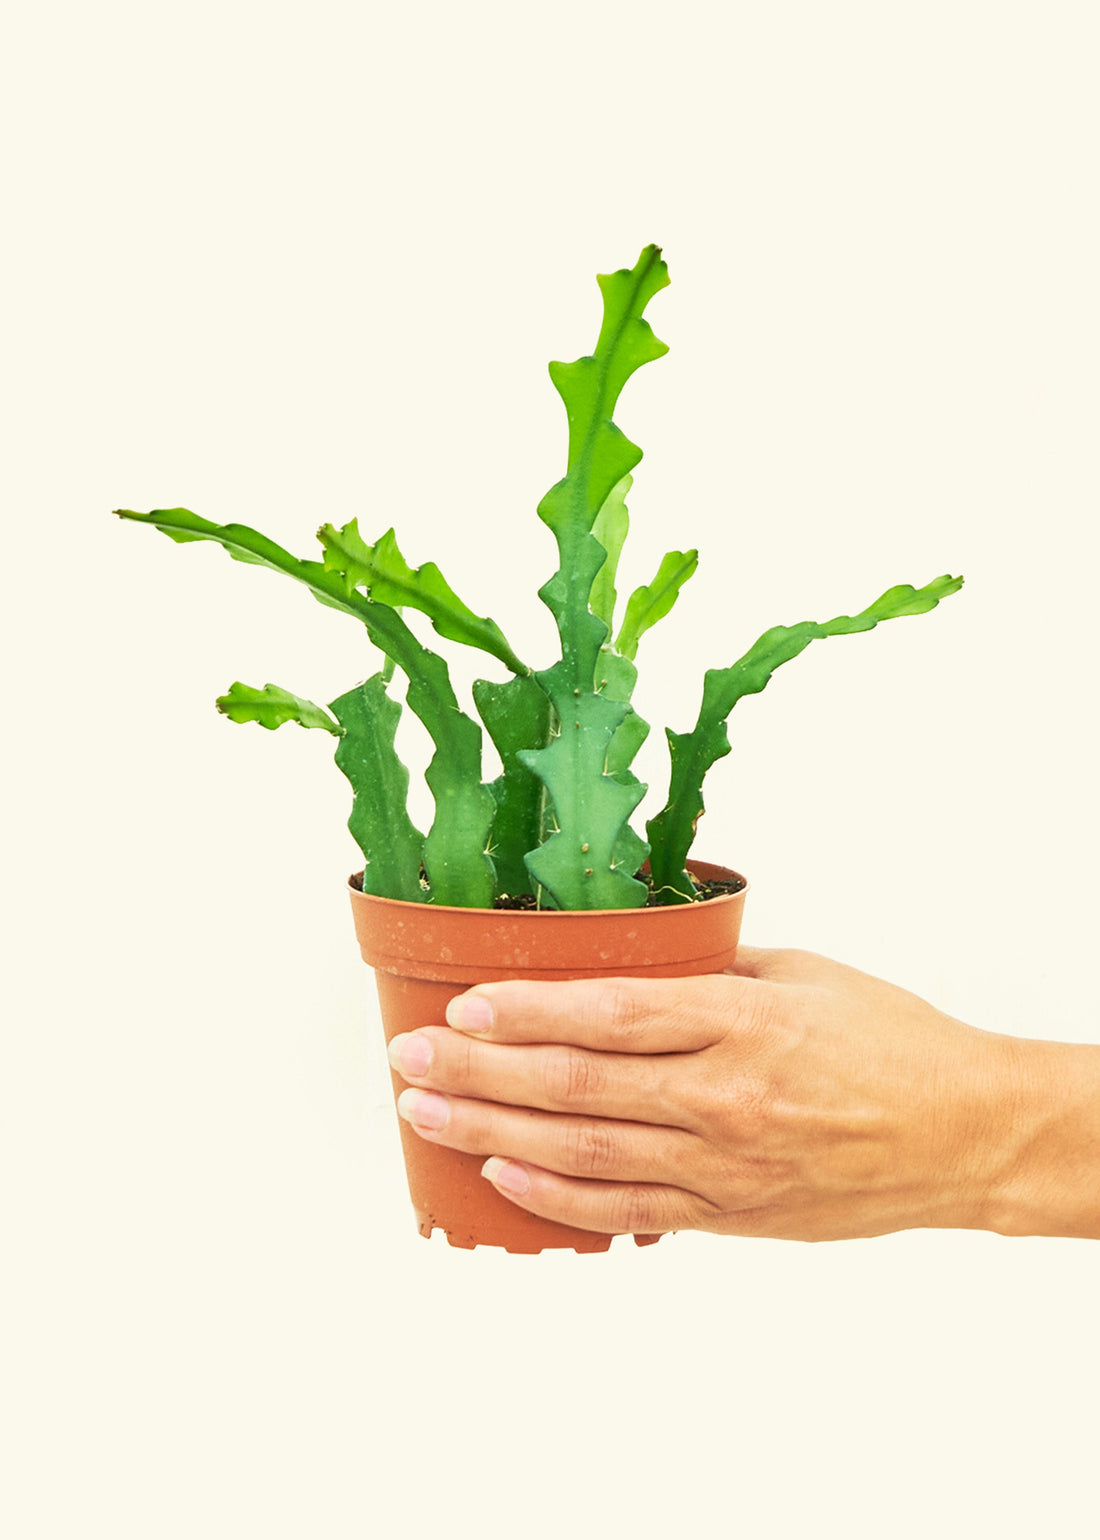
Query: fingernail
(507, 1175)
(470, 1013)
(424, 1108)
(410, 1053)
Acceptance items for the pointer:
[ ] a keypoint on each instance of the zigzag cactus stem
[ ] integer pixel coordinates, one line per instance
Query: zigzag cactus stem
(558, 817)
(672, 831)
(455, 855)
(588, 863)
(517, 715)
(380, 825)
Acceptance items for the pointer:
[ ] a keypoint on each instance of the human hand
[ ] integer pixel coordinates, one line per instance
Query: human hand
(791, 1097)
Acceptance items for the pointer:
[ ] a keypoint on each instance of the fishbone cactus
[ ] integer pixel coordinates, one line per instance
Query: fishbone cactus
(555, 824)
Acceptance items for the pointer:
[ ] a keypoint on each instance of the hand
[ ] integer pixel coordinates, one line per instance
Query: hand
(792, 1097)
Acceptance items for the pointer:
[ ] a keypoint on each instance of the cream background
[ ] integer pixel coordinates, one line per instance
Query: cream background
(292, 263)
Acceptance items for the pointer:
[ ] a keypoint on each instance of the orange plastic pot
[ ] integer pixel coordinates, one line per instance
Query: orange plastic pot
(423, 955)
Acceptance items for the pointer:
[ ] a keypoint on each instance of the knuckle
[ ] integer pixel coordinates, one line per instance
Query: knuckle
(620, 1014)
(572, 1077)
(734, 1118)
(482, 1135)
(459, 1060)
(637, 1212)
(756, 1016)
(743, 1181)
(594, 1148)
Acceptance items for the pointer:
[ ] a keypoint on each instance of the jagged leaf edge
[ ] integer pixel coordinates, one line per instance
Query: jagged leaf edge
(672, 830)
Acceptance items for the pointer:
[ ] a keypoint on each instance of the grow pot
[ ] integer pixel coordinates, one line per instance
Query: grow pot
(423, 955)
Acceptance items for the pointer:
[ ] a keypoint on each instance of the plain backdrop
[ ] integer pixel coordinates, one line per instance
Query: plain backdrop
(290, 263)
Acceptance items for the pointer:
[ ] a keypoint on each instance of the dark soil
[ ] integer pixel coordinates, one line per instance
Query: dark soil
(703, 891)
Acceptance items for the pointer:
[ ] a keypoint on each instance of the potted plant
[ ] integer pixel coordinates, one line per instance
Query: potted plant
(540, 872)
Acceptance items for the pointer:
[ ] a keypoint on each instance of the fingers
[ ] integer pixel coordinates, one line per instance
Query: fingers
(630, 1016)
(582, 1147)
(551, 1077)
(615, 1208)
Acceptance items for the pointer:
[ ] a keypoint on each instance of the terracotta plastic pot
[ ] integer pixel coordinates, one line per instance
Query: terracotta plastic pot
(423, 955)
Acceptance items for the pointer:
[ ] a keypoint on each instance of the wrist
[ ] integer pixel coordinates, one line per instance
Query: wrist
(1045, 1143)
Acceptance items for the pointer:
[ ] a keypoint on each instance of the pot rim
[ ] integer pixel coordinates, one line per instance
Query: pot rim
(699, 868)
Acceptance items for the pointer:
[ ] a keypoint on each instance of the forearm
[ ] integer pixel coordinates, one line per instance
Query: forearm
(1049, 1182)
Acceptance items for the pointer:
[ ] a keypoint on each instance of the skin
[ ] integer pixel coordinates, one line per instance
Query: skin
(790, 1097)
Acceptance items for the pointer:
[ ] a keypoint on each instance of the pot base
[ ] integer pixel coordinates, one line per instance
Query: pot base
(593, 1240)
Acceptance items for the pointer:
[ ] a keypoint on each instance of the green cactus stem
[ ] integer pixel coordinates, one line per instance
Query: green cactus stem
(672, 831)
(518, 716)
(392, 846)
(588, 862)
(455, 851)
(272, 706)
